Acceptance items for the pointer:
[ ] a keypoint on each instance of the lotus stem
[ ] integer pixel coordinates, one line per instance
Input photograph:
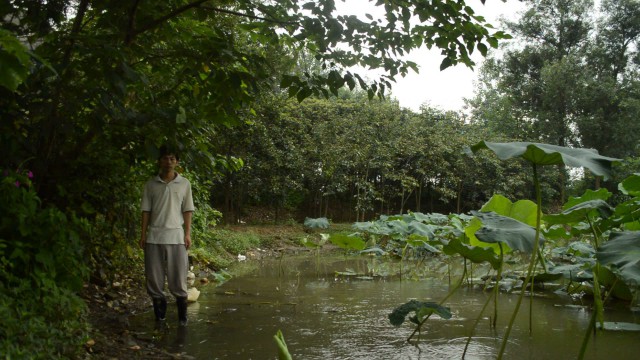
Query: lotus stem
(497, 287)
(475, 324)
(451, 292)
(532, 263)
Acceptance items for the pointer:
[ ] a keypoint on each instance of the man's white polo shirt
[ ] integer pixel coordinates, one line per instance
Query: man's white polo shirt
(167, 202)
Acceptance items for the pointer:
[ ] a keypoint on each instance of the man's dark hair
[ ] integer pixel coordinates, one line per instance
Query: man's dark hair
(168, 150)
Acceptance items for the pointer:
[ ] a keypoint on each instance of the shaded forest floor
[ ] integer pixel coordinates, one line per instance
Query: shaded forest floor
(111, 306)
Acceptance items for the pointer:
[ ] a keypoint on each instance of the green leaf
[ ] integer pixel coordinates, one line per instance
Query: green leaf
(14, 61)
(416, 227)
(521, 210)
(601, 194)
(622, 255)
(421, 308)
(545, 154)
(283, 351)
(482, 48)
(618, 289)
(421, 241)
(474, 254)
(181, 116)
(631, 185)
(581, 212)
(347, 242)
(515, 234)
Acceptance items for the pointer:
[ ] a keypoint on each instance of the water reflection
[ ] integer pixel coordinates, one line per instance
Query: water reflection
(327, 316)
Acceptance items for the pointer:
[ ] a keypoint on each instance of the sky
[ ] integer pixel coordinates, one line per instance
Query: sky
(440, 89)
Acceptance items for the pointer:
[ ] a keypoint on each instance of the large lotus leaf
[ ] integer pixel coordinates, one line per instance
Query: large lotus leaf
(373, 227)
(602, 194)
(419, 228)
(545, 154)
(347, 242)
(580, 212)
(627, 212)
(556, 232)
(522, 210)
(574, 272)
(631, 185)
(399, 227)
(622, 255)
(475, 254)
(470, 231)
(433, 218)
(618, 289)
(501, 229)
(421, 309)
(422, 241)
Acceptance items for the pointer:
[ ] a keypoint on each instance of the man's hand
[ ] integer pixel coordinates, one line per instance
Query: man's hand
(143, 241)
(187, 241)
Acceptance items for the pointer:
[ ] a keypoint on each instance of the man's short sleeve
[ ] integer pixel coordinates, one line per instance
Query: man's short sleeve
(146, 198)
(187, 204)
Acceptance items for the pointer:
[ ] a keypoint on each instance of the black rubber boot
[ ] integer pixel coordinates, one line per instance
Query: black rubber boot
(181, 302)
(160, 308)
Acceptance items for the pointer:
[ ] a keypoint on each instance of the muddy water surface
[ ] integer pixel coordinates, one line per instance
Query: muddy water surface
(326, 313)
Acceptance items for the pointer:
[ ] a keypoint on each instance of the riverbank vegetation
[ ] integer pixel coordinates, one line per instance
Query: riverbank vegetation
(276, 126)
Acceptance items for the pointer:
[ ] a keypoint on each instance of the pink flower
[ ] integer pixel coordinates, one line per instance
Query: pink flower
(17, 183)
(30, 175)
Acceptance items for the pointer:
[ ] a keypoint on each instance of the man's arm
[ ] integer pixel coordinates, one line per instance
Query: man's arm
(187, 228)
(145, 225)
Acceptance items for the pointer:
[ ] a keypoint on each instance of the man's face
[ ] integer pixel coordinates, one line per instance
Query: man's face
(168, 163)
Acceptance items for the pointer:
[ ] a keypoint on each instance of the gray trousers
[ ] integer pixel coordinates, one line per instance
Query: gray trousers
(166, 260)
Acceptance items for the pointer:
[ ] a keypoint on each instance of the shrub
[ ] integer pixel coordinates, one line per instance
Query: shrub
(41, 259)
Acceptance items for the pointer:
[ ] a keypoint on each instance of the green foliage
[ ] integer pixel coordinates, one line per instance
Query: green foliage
(622, 254)
(15, 61)
(475, 254)
(234, 242)
(511, 232)
(347, 242)
(45, 323)
(524, 211)
(42, 270)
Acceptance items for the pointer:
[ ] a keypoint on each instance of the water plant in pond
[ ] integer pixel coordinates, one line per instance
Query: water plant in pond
(421, 310)
(539, 155)
(597, 245)
(283, 350)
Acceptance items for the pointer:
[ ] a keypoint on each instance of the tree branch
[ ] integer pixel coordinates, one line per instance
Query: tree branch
(163, 19)
(131, 25)
(231, 12)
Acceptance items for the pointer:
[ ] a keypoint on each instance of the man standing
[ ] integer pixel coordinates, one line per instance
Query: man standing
(167, 207)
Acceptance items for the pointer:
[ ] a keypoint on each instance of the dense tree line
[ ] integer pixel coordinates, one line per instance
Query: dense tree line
(351, 159)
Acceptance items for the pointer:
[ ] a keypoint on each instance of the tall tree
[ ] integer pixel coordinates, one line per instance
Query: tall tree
(569, 79)
(609, 106)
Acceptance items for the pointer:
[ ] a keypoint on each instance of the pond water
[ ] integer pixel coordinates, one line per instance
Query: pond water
(324, 315)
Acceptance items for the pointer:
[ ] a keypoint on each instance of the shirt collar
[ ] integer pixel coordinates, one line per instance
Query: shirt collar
(176, 180)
